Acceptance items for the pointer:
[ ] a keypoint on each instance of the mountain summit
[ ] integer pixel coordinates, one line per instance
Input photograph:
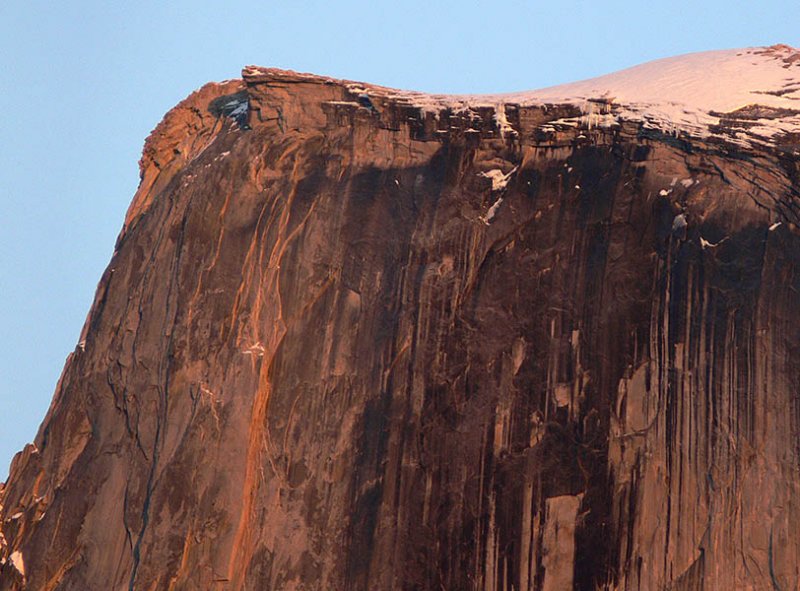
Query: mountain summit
(358, 338)
(741, 95)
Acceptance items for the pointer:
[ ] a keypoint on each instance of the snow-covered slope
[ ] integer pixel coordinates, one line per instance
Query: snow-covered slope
(721, 81)
(692, 92)
(743, 95)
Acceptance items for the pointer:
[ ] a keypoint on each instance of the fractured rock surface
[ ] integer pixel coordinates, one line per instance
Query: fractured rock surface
(349, 340)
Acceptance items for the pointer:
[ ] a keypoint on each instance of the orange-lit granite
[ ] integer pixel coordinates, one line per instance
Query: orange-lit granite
(351, 342)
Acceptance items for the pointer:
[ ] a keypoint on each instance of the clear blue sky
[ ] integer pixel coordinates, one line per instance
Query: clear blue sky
(82, 83)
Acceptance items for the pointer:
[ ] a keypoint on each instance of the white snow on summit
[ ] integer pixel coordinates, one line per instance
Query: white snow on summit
(721, 81)
(687, 93)
(691, 91)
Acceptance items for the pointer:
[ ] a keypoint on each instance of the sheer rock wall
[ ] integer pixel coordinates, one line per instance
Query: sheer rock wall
(348, 343)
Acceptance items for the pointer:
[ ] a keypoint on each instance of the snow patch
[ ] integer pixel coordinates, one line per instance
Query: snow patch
(257, 350)
(501, 120)
(498, 177)
(240, 109)
(774, 226)
(343, 103)
(18, 562)
(487, 218)
(706, 244)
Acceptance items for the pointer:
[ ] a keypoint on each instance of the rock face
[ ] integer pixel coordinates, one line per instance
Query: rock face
(354, 339)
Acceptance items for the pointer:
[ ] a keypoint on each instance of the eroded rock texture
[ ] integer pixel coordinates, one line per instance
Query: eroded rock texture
(345, 343)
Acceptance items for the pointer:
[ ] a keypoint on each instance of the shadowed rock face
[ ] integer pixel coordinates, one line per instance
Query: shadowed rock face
(348, 344)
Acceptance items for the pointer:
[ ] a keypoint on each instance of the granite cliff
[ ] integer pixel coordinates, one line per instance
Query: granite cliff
(356, 338)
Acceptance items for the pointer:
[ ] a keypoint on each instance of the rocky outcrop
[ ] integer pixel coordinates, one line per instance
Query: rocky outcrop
(350, 339)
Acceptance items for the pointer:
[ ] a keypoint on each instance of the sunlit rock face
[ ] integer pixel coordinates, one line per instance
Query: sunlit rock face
(356, 339)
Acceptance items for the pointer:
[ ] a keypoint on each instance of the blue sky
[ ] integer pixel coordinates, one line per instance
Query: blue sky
(82, 83)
